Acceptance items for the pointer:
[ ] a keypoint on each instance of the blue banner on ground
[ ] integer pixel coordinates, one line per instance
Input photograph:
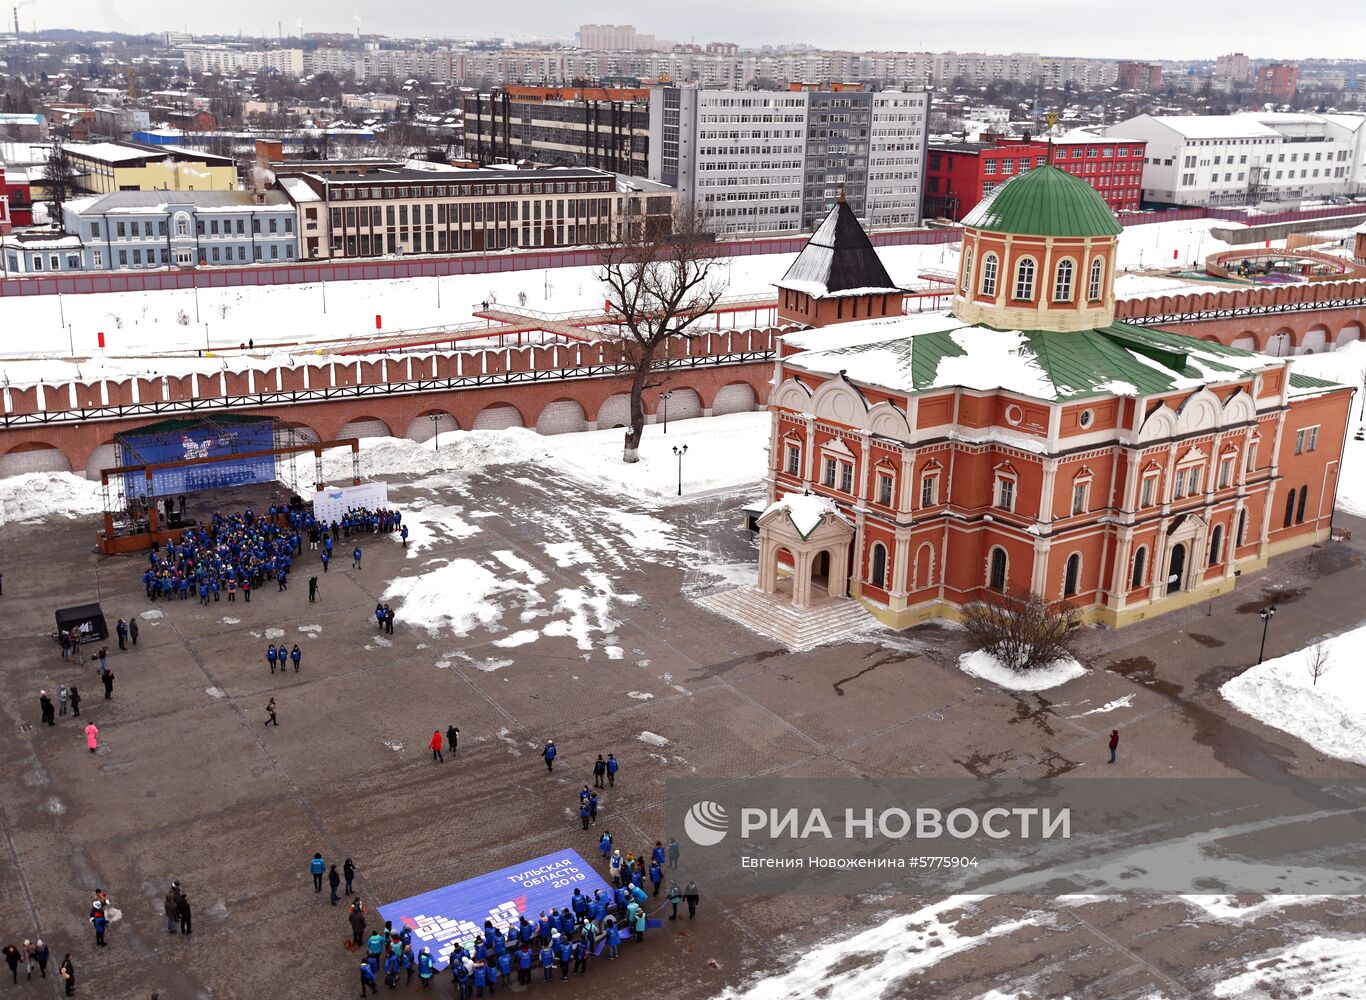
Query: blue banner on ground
(219, 446)
(457, 912)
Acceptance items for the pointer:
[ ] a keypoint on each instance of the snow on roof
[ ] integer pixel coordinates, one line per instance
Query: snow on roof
(108, 152)
(1214, 126)
(1051, 365)
(160, 201)
(298, 190)
(42, 241)
(806, 511)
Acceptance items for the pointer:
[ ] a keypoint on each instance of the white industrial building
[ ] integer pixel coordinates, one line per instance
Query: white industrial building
(1248, 158)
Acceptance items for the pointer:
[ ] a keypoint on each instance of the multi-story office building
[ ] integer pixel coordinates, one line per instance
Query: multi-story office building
(564, 126)
(1232, 68)
(141, 229)
(1248, 158)
(775, 161)
(370, 213)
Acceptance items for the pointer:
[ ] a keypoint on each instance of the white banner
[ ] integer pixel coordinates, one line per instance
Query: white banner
(330, 504)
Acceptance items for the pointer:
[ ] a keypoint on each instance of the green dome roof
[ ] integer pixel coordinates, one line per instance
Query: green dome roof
(1045, 201)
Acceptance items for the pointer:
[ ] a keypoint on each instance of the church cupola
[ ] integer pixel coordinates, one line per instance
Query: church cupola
(1038, 254)
(838, 276)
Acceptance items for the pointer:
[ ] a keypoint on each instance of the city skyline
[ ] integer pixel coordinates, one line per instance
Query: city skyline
(1071, 27)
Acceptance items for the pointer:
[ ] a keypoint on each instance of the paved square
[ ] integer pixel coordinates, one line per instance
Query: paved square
(592, 644)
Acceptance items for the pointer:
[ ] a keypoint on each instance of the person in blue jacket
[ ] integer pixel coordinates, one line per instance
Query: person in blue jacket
(640, 894)
(549, 754)
(317, 867)
(296, 656)
(543, 930)
(605, 844)
(270, 656)
(505, 967)
(612, 770)
(657, 853)
(391, 967)
(355, 558)
(579, 903)
(491, 973)
(613, 938)
(326, 556)
(584, 812)
(656, 875)
(565, 955)
(547, 961)
(424, 968)
(524, 964)
(409, 961)
(480, 977)
(404, 535)
(367, 979)
(580, 953)
(461, 975)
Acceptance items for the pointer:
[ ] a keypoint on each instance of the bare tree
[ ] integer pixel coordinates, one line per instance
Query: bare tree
(659, 284)
(1318, 662)
(1022, 630)
(59, 177)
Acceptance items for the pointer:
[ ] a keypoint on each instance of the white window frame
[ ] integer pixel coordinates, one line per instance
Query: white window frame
(1023, 283)
(1081, 495)
(846, 479)
(886, 488)
(1005, 491)
(1062, 286)
(829, 472)
(991, 267)
(793, 454)
(929, 490)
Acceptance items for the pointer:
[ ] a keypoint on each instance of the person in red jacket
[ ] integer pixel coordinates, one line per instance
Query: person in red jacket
(1114, 744)
(436, 746)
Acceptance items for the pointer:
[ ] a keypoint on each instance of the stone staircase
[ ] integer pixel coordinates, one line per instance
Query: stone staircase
(827, 620)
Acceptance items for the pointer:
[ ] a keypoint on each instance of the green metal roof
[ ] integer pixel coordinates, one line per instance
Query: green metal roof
(1118, 359)
(1045, 201)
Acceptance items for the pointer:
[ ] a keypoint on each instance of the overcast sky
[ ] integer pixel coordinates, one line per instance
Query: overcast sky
(1157, 29)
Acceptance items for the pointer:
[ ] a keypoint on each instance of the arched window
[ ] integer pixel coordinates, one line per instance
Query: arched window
(182, 225)
(1071, 575)
(989, 265)
(1216, 545)
(966, 283)
(1140, 558)
(878, 575)
(1289, 510)
(1097, 276)
(1062, 281)
(1024, 280)
(1304, 498)
(997, 578)
(1242, 527)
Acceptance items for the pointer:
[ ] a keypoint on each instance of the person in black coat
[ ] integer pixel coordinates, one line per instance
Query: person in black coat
(108, 678)
(75, 701)
(48, 709)
(68, 973)
(183, 911)
(349, 873)
(357, 918)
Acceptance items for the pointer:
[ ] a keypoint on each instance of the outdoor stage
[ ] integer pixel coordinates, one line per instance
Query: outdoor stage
(179, 457)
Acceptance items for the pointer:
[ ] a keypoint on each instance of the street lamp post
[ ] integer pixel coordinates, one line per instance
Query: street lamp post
(436, 429)
(1266, 615)
(664, 397)
(680, 452)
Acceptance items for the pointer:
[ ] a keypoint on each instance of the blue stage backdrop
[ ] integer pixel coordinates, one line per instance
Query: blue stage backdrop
(175, 440)
(457, 913)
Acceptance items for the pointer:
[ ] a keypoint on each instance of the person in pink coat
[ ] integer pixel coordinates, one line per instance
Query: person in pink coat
(92, 737)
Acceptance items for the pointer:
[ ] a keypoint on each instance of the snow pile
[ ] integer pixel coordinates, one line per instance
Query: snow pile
(805, 509)
(46, 494)
(1329, 715)
(881, 961)
(461, 451)
(983, 665)
(459, 594)
(724, 451)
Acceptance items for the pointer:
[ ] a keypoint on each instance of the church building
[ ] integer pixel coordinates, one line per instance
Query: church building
(1026, 441)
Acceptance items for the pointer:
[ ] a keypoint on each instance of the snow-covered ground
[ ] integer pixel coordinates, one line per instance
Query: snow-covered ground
(984, 666)
(186, 320)
(1330, 716)
(723, 451)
